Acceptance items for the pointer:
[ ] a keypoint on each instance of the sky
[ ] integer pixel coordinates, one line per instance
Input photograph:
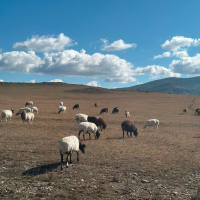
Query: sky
(103, 43)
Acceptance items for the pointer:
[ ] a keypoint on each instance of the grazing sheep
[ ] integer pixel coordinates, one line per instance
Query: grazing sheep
(129, 127)
(34, 109)
(196, 111)
(61, 103)
(22, 109)
(185, 110)
(96, 105)
(115, 110)
(27, 116)
(81, 118)
(68, 145)
(76, 106)
(88, 127)
(29, 103)
(6, 114)
(98, 121)
(152, 122)
(104, 110)
(127, 114)
(61, 109)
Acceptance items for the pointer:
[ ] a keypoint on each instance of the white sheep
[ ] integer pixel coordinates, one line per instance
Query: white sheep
(61, 109)
(6, 114)
(34, 109)
(29, 103)
(22, 109)
(27, 116)
(68, 145)
(81, 118)
(127, 114)
(61, 103)
(152, 122)
(88, 127)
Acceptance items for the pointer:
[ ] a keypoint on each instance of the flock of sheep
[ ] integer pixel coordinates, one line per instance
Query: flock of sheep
(86, 124)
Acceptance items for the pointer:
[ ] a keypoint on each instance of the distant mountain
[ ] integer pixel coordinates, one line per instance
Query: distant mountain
(171, 85)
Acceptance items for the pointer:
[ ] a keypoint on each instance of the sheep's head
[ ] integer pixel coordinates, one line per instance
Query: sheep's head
(135, 132)
(97, 135)
(82, 147)
(104, 126)
(12, 111)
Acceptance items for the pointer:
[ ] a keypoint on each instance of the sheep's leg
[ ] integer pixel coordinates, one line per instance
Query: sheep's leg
(70, 162)
(79, 134)
(67, 165)
(123, 133)
(77, 157)
(131, 134)
(84, 135)
(61, 161)
(89, 135)
(127, 134)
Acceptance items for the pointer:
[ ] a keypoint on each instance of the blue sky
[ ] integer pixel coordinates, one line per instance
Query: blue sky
(100, 43)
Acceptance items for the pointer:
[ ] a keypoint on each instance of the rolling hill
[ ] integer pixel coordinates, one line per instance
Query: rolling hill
(171, 85)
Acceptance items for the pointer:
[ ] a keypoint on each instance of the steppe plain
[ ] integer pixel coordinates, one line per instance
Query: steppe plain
(158, 164)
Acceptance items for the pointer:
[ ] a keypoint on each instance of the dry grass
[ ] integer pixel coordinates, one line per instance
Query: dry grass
(158, 164)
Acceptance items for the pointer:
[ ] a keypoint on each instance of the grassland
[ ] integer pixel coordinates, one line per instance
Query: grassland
(158, 164)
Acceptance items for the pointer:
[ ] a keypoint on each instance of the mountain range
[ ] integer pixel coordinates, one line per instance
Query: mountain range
(171, 85)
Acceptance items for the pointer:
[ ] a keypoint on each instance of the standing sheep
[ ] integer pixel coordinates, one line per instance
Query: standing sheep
(197, 110)
(6, 114)
(115, 110)
(104, 110)
(88, 127)
(27, 116)
(76, 106)
(127, 114)
(185, 110)
(81, 118)
(129, 127)
(34, 109)
(29, 103)
(98, 121)
(96, 105)
(61, 109)
(68, 145)
(152, 122)
(22, 109)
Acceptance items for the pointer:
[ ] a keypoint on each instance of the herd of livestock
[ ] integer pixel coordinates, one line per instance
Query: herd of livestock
(86, 124)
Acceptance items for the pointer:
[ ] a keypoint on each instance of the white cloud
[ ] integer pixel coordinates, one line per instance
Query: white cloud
(177, 42)
(45, 43)
(57, 81)
(186, 65)
(1, 80)
(31, 81)
(94, 84)
(73, 63)
(19, 61)
(165, 54)
(157, 70)
(180, 54)
(116, 45)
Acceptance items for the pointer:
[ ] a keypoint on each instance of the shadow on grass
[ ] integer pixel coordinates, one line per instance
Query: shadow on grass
(196, 137)
(41, 169)
(116, 138)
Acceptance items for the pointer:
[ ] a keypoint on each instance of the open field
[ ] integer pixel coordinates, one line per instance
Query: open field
(158, 164)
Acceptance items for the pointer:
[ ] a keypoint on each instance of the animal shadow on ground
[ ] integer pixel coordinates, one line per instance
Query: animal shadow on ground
(41, 169)
(114, 138)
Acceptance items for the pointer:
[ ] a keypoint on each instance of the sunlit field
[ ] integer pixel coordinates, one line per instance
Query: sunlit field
(158, 164)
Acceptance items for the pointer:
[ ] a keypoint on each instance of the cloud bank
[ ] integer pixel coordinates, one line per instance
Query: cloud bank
(45, 43)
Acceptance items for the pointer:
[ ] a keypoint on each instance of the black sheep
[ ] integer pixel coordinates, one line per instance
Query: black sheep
(129, 127)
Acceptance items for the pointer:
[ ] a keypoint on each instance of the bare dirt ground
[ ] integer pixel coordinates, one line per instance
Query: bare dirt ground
(158, 164)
